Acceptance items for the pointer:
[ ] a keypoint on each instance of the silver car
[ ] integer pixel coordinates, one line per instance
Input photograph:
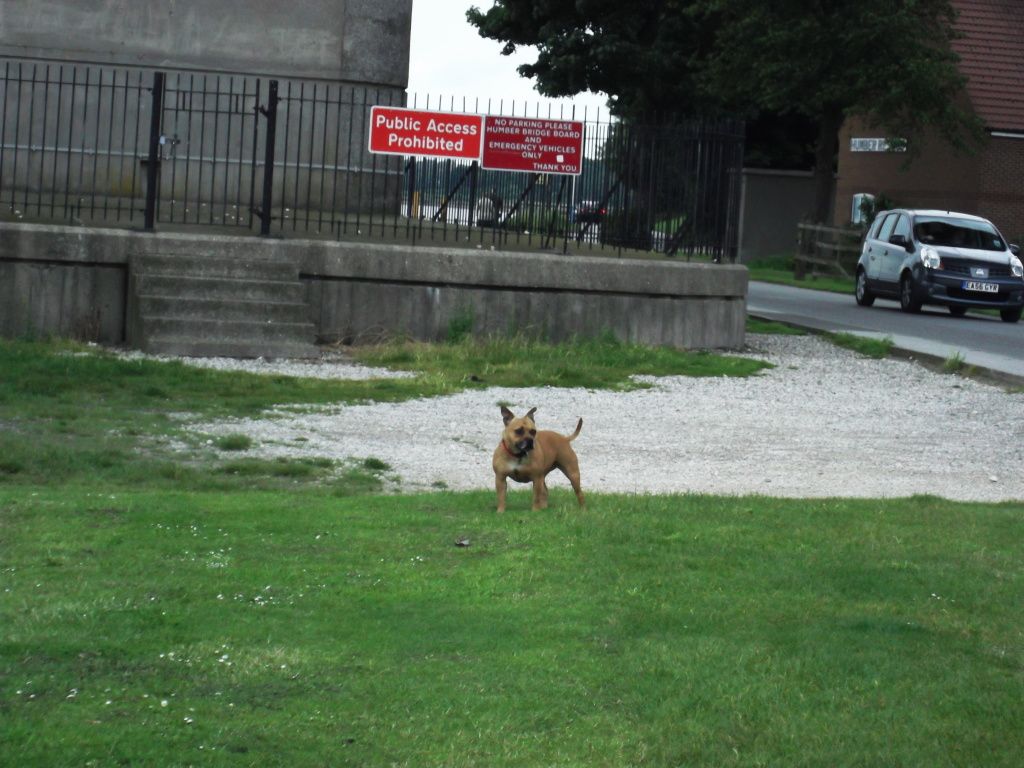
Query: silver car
(939, 257)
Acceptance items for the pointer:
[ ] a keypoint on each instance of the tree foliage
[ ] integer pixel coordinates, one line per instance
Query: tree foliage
(645, 54)
(888, 62)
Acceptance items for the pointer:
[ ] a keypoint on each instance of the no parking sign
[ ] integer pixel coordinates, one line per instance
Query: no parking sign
(532, 145)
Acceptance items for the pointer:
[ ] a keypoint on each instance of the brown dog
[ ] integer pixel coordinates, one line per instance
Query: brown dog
(526, 455)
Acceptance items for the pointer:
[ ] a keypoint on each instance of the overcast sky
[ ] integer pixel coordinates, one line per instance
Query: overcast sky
(448, 58)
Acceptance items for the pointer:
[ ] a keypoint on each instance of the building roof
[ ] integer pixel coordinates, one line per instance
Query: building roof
(992, 57)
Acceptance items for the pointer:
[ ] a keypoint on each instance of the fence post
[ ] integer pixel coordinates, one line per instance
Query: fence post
(734, 187)
(153, 161)
(474, 171)
(270, 112)
(411, 206)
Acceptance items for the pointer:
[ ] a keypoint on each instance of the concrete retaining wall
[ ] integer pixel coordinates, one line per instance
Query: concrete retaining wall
(60, 281)
(71, 281)
(372, 290)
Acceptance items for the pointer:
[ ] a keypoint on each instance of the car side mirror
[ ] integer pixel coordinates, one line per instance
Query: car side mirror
(1015, 249)
(903, 242)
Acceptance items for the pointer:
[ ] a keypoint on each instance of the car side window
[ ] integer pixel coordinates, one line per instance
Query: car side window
(902, 228)
(875, 226)
(887, 226)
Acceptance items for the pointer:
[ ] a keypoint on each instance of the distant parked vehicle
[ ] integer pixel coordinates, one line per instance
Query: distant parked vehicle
(589, 212)
(940, 257)
(488, 210)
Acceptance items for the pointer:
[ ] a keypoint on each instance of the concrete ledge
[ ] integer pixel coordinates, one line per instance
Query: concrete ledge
(72, 281)
(530, 271)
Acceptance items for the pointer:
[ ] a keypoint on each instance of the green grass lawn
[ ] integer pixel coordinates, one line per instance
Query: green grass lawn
(779, 270)
(153, 627)
(174, 604)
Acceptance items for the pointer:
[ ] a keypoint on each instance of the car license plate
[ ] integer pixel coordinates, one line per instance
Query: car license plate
(983, 287)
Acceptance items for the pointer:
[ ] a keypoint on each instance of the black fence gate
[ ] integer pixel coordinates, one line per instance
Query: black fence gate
(289, 158)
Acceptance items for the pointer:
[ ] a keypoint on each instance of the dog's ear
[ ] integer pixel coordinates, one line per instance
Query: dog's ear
(506, 414)
(529, 414)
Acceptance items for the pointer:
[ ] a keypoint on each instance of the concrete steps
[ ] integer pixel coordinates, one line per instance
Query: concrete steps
(239, 289)
(200, 305)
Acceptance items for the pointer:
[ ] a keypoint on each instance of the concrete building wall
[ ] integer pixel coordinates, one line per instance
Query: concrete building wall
(987, 183)
(76, 102)
(1001, 185)
(772, 203)
(936, 178)
(363, 41)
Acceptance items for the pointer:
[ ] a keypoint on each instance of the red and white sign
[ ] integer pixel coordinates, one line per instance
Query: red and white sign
(533, 145)
(399, 131)
(529, 145)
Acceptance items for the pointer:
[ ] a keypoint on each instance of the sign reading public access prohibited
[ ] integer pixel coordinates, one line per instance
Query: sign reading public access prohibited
(399, 131)
(533, 145)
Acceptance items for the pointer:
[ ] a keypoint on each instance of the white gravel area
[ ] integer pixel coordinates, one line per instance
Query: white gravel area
(823, 422)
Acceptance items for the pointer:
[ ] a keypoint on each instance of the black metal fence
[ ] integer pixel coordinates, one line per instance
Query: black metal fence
(281, 158)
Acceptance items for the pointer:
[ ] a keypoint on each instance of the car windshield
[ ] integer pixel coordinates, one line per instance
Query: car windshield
(958, 233)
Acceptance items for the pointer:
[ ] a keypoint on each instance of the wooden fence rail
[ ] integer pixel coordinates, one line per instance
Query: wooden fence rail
(826, 250)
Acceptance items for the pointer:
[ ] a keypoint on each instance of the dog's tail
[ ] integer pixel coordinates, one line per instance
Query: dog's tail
(574, 435)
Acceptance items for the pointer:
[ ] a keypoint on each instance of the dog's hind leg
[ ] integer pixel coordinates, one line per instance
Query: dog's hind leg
(575, 480)
(571, 470)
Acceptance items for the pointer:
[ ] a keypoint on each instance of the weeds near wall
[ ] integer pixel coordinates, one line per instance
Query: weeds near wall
(460, 327)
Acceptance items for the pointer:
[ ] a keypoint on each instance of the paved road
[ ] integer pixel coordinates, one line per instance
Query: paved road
(982, 341)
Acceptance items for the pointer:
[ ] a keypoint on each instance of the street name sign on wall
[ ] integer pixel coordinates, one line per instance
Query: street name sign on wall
(400, 131)
(533, 145)
(877, 145)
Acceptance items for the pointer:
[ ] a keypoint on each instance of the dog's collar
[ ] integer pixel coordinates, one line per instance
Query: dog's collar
(509, 451)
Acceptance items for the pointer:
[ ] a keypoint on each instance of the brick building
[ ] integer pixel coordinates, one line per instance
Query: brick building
(989, 183)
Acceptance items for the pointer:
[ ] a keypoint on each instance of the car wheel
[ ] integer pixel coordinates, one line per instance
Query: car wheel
(1010, 315)
(908, 297)
(863, 294)
(958, 311)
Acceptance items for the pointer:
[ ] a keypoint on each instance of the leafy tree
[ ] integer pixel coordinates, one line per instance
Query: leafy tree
(887, 61)
(645, 54)
(780, 141)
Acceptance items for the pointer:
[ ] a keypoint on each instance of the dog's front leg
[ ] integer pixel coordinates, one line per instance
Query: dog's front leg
(540, 496)
(544, 494)
(501, 486)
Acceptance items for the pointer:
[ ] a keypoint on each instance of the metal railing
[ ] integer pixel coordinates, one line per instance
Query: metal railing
(135, 147)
